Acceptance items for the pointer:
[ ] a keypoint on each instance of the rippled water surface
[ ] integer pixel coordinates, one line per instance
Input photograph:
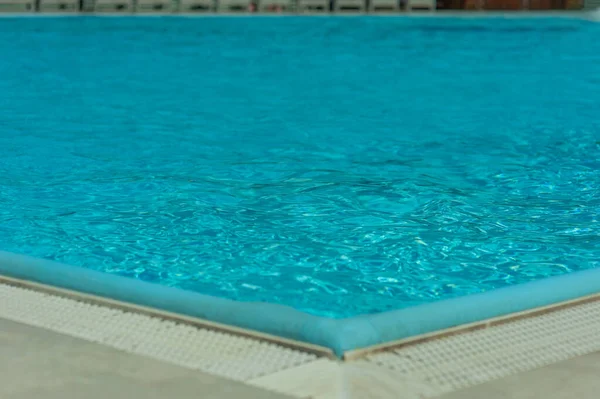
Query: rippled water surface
(337, 165)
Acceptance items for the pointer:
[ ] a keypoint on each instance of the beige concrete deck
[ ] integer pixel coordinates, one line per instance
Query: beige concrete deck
(572, 379)
(37, 363)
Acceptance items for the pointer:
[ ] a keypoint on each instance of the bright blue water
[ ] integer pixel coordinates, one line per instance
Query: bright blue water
(337, 165)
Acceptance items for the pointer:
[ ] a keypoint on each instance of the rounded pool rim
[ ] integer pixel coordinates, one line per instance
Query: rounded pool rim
(339, 335)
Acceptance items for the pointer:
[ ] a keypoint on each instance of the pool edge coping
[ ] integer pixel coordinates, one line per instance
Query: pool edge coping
(346, 338)
(356, 354)
(319, 351)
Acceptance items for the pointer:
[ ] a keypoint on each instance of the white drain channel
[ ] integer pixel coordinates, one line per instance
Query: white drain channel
(459, 361)
(227, 355)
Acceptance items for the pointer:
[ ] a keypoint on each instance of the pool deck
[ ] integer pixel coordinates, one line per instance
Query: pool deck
(38, 363)
(55, 346)
(574, 378)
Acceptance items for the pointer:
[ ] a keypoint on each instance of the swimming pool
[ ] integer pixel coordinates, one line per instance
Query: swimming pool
(338, 166)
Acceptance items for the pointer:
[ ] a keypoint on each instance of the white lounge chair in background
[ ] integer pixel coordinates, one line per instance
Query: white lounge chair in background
(17, 6)
(234, 5)
(350, 5)
(151, 6)
(276, 5)
(384, 6)
(113, 6)
(594, 7)
(59, 5)
(187, 6)
(312, 5)
(418, 5)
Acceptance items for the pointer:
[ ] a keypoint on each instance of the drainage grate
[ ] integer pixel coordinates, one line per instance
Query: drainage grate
(235, 357)
(459, 361)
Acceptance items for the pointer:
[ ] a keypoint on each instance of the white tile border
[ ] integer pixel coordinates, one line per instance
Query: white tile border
(215, 352)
